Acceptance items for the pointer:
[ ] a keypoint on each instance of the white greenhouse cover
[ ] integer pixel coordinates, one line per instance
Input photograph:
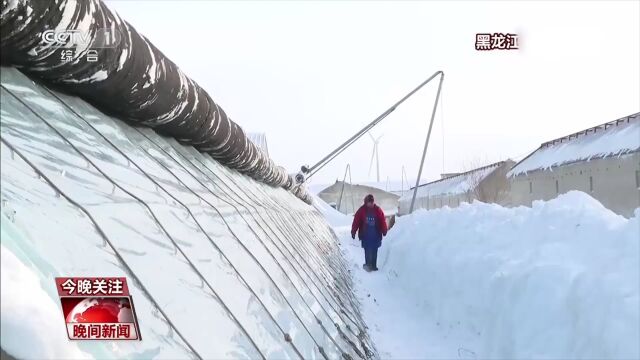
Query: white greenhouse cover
(219, 265)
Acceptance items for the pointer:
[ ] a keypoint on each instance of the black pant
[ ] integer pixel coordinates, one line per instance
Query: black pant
(371, 257)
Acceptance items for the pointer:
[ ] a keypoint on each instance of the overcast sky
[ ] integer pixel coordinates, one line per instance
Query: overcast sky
(310, 74)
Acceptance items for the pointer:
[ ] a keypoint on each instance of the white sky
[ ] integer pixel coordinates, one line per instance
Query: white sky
(310, 74)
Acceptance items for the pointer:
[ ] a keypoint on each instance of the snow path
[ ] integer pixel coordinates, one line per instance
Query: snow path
(559, 280)
(391, 315)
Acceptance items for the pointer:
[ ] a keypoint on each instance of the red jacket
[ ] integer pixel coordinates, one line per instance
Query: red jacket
(360, 218)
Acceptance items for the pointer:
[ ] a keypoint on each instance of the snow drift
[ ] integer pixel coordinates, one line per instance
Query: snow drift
(558, 280)
(336, 219)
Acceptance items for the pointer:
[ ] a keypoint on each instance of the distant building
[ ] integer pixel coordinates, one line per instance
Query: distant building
(487, 184)
(394, 187)
(353, 197)
(602, 161)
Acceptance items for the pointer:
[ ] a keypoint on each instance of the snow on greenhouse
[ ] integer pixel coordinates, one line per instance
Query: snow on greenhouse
(612, 139)
(457, 184)
(259, 140)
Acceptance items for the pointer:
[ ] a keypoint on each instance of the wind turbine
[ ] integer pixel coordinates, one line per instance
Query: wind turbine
(375, 154)
(404, 177)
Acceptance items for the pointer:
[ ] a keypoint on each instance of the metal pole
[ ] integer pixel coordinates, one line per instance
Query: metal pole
(404, 177)
(426, 143)
(377, 165)
(353, 205)
(313, 169)
(342, 190)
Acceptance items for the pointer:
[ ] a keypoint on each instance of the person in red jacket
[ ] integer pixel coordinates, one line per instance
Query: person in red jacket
(371, 225)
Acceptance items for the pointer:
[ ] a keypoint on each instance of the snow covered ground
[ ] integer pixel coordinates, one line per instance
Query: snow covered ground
(559, 280)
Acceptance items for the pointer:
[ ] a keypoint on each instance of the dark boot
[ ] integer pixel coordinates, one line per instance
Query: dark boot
(367, 259)
(374, 259)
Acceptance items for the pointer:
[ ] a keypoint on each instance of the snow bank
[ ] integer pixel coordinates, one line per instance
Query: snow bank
(335, 218)
(558, 280)
(28, 312)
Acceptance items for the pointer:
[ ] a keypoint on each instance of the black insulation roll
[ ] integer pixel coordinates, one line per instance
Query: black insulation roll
(83, 48)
